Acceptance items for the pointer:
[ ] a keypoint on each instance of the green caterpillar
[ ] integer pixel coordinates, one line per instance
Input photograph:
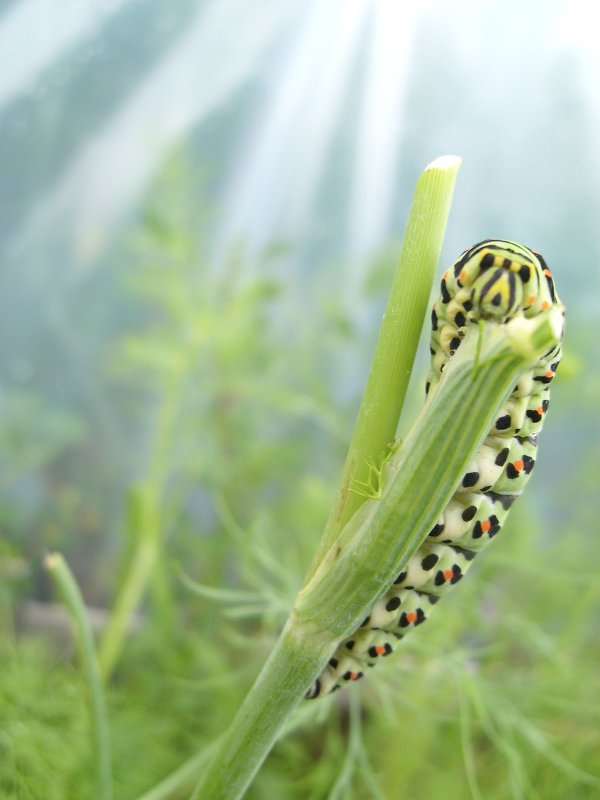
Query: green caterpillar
(496, 280)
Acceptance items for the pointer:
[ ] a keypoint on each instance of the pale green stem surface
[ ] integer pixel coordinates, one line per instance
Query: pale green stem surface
(398, 339)
(67, 586)
(377, 543)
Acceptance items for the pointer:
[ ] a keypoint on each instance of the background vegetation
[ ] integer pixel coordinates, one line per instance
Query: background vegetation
(169, 378)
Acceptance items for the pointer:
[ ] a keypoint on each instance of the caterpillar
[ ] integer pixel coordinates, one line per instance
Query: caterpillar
(497, 280)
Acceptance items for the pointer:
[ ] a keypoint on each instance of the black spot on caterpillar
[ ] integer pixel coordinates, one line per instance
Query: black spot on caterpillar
(497, 280)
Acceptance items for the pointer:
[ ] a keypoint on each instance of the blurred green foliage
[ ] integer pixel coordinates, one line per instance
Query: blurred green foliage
(227, 388)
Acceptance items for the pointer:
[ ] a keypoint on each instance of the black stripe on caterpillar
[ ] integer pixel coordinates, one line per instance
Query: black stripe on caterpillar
(497, 280)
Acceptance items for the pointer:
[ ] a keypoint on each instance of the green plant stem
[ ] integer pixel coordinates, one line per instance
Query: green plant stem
(146, 521)
(378, 541)
(398, 339)
(67, 586)
(297, 657)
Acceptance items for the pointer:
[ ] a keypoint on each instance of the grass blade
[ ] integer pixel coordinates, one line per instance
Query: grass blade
(67, 586)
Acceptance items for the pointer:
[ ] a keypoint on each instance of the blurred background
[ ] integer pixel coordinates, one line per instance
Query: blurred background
(201, 205)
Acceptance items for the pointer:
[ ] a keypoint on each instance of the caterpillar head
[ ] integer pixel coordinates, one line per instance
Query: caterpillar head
(503, 278)
(497, 292)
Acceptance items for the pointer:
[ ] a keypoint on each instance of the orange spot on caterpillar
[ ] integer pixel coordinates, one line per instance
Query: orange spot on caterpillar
(463, 275)
(411, 616)
(445, 275)
(548, 374)
(380, 650)
(447, 573)
(540, 410)
(547, 272)
(545, 305)
(518, 465)
(531, 300)
(486, 525)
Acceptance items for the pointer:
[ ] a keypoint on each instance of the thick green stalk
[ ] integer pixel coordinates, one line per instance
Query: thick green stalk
(65, 582)
(378, 541)
(398, 339)
(297, 657)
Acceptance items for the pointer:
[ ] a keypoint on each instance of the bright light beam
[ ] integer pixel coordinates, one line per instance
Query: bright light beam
(35, 33)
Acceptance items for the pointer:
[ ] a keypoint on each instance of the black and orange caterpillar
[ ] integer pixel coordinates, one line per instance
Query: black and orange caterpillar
(497, 280)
